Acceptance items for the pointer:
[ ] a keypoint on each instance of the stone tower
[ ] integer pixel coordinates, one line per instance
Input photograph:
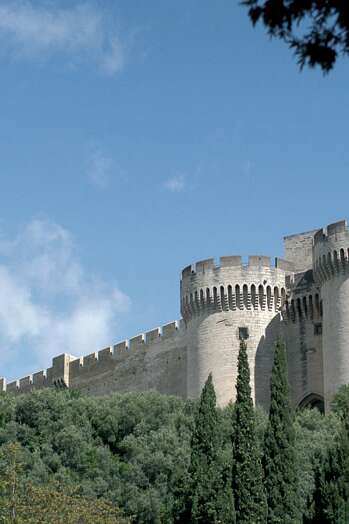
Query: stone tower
(221, 305)
(331, 272)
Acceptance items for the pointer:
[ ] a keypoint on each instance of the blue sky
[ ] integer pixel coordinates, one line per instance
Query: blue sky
(138, 137)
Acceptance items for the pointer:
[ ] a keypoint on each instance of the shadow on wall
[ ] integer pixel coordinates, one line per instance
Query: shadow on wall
(264, 362)
(313, 401)
(263, 368)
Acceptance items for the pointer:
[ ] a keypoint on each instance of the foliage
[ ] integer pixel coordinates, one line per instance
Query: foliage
(341, 401)
(64, 451)
(314, 436)
(250, 500)
(132, 449)
(333, 478)
(279, 448)
(21, 501)
(317, 30)
(209, 492)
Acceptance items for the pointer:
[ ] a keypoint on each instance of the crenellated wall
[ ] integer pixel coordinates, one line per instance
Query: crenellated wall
(155, 360)
(303, 300)
(57, 375)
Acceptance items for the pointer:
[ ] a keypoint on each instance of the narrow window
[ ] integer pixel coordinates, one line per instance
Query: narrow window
(243, 333)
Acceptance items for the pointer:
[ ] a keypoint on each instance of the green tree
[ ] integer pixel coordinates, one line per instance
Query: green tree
(247, 480)
(279, 458)
(317, 30)
(132, 449)
(332, 486)
(339, 404)
(210, 499)
(10, 485)
(315, 433)
(22, 502)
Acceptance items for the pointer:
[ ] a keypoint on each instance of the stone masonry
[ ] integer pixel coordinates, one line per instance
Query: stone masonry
(302, 299)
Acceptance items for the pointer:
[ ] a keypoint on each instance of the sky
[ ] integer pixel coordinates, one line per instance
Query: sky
(136, 138)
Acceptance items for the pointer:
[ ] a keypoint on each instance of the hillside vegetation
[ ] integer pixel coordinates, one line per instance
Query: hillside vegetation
(158, 459)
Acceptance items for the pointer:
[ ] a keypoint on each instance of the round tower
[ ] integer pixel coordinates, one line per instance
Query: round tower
(331, 271)
(222, 305)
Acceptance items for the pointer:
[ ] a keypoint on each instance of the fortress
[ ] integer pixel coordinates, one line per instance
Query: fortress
(302, 299)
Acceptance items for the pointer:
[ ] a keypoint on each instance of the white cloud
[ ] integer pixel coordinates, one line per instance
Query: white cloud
(48, 303)
(80, 33)
(18, 315)
(175, 184)
(99, 168)
(113, 61)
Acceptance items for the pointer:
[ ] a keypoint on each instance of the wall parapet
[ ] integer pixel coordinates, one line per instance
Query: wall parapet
(336, 228)
(234, 285)
(331, 251)
(236, 262)
(65, 367)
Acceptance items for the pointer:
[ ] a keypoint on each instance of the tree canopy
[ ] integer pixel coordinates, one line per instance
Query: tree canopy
(316, 30)
(129, 455)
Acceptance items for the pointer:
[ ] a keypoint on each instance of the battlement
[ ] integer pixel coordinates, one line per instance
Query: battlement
(233, 285)
(331, 251)
(67, 367)
(237, 263)
(337, 228)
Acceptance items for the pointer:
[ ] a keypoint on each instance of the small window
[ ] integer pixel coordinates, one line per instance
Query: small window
(318, 329)
(243, 333)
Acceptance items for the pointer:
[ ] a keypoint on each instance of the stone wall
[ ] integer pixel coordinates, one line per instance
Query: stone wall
(298, 249)
(302, 328)
(155, 360)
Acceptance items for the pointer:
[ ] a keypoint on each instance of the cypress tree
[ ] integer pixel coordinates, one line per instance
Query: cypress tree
(247, 479)
(279, 448)
(210, 499)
